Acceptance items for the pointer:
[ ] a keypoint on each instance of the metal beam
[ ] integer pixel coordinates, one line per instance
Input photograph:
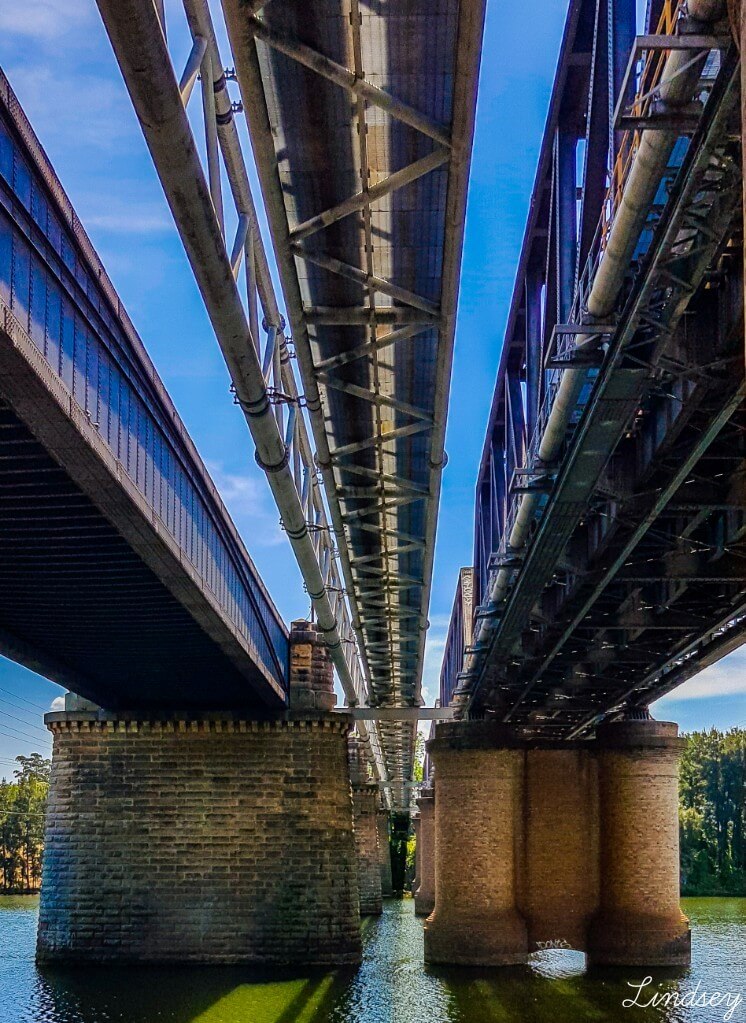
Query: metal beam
(357, 316)
(382, 188)
(403, 713)
(366, 280)
(345, 79)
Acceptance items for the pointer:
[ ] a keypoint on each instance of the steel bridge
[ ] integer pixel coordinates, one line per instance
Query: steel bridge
(609, 557)
(361, 123)
(121, 574)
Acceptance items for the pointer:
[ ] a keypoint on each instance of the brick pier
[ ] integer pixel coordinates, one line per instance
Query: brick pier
(210, 838)
(562, 844)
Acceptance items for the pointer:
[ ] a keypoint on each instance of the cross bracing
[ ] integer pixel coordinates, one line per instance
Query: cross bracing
(362, 144)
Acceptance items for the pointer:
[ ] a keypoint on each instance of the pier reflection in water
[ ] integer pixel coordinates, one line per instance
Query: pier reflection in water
(391, 986)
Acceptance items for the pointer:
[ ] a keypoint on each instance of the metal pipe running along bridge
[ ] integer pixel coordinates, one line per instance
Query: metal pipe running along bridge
(609, 521)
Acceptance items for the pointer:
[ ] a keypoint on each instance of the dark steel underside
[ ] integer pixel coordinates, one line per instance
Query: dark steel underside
(78, 605)
(635, 577)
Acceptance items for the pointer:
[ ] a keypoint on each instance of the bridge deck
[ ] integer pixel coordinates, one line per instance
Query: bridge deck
(361, 119)
(121, 573)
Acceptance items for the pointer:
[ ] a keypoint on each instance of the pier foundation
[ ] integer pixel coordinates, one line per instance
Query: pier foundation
(208, 838)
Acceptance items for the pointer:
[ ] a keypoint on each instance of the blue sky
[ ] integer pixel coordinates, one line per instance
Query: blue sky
(60, 64)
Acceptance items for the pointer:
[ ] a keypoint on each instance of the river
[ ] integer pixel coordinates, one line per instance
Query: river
(391, 986)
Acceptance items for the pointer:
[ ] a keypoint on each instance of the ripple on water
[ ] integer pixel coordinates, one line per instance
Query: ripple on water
(391, 986)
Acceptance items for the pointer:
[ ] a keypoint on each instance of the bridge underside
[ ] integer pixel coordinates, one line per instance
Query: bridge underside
(361, 119)
(635, 576)
(78, 605)
(121, 574)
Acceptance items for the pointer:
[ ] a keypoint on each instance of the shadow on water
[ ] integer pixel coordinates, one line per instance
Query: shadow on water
(390, 986)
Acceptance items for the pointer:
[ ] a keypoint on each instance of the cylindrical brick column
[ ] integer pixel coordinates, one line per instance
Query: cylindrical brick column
(384, 853)
(424, 899)
(475, 921)
(365, 807)
(417, 852)
(639, 922)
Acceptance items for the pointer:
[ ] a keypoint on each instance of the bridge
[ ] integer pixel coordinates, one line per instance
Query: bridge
(113, 538)
(608, 522)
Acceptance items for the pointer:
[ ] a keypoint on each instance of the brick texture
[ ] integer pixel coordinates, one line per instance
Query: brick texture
(559, 864)
(203, 841)
(475, 921)
(210, 840)
(581, 842)
(424, 897)
(640, 919)
(365, 814)
(384, 853)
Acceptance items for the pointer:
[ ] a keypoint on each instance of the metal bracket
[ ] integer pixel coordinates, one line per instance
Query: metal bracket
(646, 43)
(277, 397)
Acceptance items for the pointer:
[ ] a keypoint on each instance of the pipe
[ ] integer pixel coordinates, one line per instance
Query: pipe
(676, 86)
(142, 55)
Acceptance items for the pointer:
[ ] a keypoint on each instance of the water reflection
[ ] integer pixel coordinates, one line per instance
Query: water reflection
(391, 986)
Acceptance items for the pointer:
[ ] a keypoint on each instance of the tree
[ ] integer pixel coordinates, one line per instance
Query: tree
(22, 809)
(712, 813)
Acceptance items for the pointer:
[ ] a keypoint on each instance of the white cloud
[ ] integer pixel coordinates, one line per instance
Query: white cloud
(58, 703)
(44, 19)
(726, 678)
(251, 507)
(125, 218)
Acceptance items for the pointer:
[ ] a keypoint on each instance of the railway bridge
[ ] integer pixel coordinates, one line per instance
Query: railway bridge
(200, 733)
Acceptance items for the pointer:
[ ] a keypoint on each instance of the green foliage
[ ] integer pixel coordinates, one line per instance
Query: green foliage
(712, 813)
(23, 804)
(419, 757)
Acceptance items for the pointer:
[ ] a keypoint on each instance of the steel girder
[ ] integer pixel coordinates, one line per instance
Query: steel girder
(577, 635)
(361, 122)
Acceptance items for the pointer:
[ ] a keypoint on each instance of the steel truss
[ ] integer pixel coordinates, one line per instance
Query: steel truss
(604, 573)
(359, 324)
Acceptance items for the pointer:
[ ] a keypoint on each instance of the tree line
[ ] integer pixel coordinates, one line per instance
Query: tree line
(23, 803)
(712, 813)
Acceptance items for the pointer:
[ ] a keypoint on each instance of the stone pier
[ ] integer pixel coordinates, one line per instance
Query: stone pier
(417, 853)
(384, 852)
(424, 897)
(573, 845)
(204, 838)
(365, 814)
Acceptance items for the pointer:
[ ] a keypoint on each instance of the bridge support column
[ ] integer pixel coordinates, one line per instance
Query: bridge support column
(206, 838)
(475, 921)
(424, 897)
(365, 805)
(640, 920)
(417, 854)
(384, 852)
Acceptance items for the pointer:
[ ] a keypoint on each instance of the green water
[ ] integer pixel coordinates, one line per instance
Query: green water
(391, 986)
